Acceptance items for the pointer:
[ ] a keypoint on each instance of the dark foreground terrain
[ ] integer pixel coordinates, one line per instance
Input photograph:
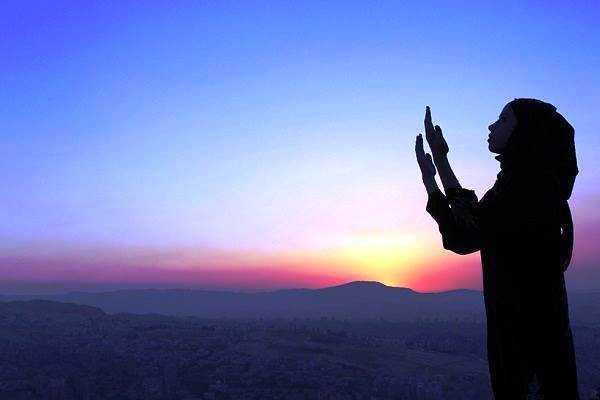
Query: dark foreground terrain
(55, 351)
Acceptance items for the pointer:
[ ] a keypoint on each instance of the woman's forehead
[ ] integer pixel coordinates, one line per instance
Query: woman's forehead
(506, 109)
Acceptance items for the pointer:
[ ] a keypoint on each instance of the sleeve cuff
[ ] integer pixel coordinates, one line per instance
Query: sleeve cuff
(460, 193)
(436, 202)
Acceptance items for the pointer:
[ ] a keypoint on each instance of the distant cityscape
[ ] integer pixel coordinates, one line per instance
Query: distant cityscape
(63, 351)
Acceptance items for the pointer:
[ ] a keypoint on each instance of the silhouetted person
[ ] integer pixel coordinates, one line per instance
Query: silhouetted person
(523, 229)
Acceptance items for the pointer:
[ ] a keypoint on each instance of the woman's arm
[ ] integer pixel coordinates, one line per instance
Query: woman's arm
(449, 180)
(455, 213)
(430, 184)
(457, 219)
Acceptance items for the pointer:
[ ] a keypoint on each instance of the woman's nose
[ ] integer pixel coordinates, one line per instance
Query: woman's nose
(491, 127)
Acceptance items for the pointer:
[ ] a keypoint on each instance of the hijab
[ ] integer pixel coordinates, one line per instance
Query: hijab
(543, 143)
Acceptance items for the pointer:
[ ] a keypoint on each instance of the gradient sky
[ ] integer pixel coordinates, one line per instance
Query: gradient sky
(255, 145)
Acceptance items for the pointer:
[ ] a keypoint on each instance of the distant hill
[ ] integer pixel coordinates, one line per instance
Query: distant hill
(354, 300)
(49, 308)
(357, 300)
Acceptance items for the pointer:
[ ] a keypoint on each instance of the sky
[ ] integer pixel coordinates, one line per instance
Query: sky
(262, 144)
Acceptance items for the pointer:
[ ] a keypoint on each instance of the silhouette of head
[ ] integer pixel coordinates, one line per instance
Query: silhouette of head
(534, 137)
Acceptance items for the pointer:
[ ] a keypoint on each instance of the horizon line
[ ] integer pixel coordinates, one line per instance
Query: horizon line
(258, 291)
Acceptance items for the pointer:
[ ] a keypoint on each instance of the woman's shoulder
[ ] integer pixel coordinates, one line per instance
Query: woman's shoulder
(523, 191)
(524, 182)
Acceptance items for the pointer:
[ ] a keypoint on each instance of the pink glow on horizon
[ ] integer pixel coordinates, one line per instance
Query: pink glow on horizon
(433, 270)
(450, 272)
(245, 277)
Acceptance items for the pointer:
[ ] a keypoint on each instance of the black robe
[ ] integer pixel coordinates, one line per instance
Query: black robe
(516, 227)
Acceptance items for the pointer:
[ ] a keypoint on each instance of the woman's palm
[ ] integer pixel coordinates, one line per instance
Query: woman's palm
(425, 161)
(434, 136)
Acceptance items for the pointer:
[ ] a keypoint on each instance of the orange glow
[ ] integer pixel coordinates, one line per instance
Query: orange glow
(393, 258)
(379, 257)
(415, 260)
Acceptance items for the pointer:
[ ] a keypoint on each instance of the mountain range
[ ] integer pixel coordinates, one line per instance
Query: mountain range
(358, 300)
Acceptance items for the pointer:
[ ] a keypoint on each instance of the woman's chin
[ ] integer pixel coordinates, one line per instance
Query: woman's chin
(492, 149)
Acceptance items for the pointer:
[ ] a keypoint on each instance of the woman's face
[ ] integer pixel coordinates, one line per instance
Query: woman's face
(501, 130)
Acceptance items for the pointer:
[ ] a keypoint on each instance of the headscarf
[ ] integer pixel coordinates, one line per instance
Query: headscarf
(543, 141)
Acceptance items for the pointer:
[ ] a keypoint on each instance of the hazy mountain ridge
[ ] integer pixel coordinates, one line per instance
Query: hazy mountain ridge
(358, 300)
(353, 300)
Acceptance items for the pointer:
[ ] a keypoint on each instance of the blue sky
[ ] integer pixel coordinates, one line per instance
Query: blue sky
(269, 127)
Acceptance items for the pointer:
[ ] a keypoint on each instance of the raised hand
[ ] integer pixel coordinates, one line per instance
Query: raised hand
(434, 136)
(424, 160)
